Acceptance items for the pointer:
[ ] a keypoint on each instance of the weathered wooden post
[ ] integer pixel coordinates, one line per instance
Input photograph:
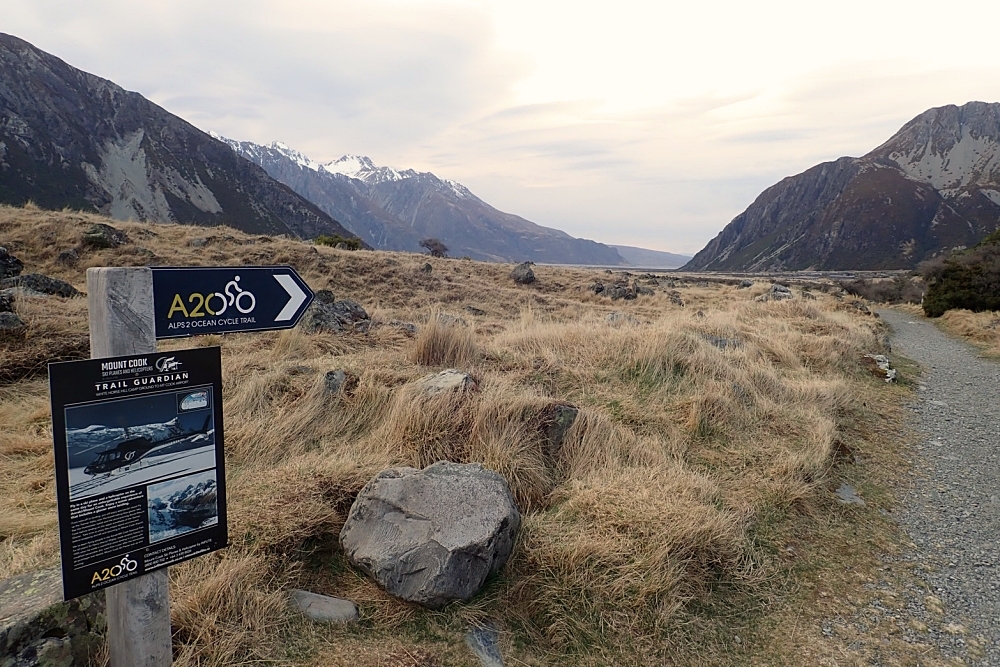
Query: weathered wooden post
(122, 322)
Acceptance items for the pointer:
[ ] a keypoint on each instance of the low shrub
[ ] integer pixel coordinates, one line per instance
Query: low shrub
(968, 279)
(335, 240)
(901, 289)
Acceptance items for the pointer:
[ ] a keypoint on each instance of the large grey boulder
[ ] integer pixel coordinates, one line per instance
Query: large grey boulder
(9, 265)
(9, 322)
(435, 535)
(522, 274)
(39, 629)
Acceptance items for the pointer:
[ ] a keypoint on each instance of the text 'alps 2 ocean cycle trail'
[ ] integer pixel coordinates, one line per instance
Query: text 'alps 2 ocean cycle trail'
(191, 301)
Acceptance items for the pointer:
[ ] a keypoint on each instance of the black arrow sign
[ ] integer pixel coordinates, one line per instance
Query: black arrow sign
(192, 301)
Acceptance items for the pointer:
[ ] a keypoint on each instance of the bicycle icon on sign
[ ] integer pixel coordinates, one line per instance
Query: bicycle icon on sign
(232, 299)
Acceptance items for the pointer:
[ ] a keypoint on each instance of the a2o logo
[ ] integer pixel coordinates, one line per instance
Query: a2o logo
(126, 565)
(233, 297)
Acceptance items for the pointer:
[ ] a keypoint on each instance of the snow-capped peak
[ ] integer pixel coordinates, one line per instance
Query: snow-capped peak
(352, 166)
(295, 156)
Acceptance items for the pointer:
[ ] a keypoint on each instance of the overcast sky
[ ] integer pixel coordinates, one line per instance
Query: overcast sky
(628, 122)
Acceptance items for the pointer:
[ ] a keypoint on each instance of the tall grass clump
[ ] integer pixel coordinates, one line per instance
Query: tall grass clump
(444, 341)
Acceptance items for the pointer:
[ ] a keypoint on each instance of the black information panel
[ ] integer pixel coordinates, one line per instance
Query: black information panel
(140, 471)
(199, 300)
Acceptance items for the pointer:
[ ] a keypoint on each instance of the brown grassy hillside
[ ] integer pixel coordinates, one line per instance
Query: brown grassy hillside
(688, 508)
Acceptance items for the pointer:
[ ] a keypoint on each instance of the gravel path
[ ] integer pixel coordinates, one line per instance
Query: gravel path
(952, 512)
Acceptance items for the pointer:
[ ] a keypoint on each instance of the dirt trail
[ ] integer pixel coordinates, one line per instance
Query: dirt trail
(952, 511)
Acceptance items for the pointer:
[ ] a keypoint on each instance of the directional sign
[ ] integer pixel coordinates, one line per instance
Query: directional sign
(192, 301)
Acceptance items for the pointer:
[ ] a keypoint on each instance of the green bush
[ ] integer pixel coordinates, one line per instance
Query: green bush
(336, 239)
(967, 279)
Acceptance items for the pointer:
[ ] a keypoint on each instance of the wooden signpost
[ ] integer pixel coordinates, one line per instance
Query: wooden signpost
(126, 487)
(122, 322)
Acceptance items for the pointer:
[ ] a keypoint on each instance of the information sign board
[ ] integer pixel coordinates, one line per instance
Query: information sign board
(192, 301)
(140, 471)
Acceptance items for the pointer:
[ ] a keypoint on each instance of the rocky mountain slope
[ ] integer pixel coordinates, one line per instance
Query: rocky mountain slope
(932, 187)
(72, 139)
(394, 210)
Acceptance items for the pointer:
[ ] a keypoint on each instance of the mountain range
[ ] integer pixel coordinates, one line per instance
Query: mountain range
(72, 139)
(395, 209)
(932, 187)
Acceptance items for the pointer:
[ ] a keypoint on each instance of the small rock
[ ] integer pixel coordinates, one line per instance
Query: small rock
(779, 292)
(484, 642)
(597, 288)
(9, 322)
(325, 315)
(700, 315)
(556, 421)
(341, 246)
(70, 256)
(619, 291)
(199, 242)
(846, 495)
(324, 608)
(617, 318)
(675, 298)
(522, 274)
(104, 236)
(808, 295)
(41, 284)
(427, 268)
(472, 310)
(641, 290)
(6, 302)
(860, 305)
(9, 265)
(879, 366)
(408, 328)
(335, 382)
(723, 343)
(434, 535)
(450, 379)
(744, 284)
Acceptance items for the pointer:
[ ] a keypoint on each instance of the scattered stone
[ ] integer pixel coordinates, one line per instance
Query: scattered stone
(723, 343)
(40, 284)
(427, 268)
(846, 495)
(472, 310)
(70, 256)
(199, 242)
(448, 320)
(617, 318)
(325, 315)
(37, 628)
(619, 291)
(556, 421)
(104, 236)
(879, 366)
(779, 292)
(675, 298)
(450, 379)
(522, 274)
(10, 323)
(597, 288)
(484, 642)
(700, 315)
(641, 290)
(860, 305)
(9, 265)
(408, 328)
(6, 302)
(808, 295)
(435, 535)
(324, 608)
(744, 284)
(339, 381)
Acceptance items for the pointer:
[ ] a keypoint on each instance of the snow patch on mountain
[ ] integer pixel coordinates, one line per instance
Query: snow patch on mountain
(963, 163)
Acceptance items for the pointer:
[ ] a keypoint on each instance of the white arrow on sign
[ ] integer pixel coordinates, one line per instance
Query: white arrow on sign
(294, 291)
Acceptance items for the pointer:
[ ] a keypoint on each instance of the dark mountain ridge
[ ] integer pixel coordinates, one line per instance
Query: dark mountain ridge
(394, 210)
(932, 187)
(72, 139)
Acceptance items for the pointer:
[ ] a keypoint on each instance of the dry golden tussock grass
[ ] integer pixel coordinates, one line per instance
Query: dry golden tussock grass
(982, 329)
(706, 436)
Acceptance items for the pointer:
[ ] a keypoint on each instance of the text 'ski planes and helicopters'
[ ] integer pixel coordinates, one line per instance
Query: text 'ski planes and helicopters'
(133, 450)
